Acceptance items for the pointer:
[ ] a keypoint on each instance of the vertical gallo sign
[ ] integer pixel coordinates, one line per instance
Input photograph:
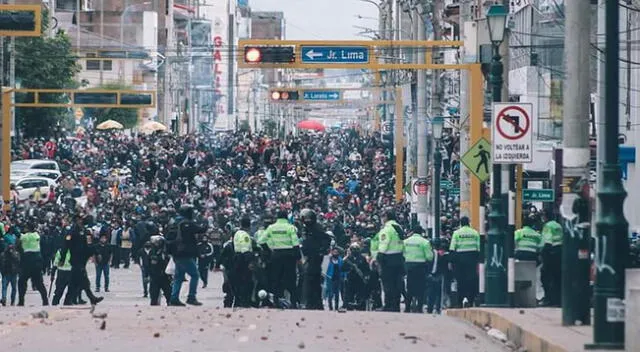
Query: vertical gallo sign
(512, 136)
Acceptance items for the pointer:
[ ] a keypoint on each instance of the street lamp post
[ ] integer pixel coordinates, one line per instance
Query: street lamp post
(437, 125)
(612, 229)
(495, 266)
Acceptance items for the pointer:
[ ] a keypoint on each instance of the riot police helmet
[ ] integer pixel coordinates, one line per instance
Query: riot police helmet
(308, 216)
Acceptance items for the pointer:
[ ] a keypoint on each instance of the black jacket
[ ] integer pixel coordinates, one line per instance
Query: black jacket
(182, 238)
(158, 260)
(9, 262)
(103, 253)
(315, 241)
(75, 242)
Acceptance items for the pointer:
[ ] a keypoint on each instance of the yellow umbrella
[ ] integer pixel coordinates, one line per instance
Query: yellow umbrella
(152, 126)
(110, 125)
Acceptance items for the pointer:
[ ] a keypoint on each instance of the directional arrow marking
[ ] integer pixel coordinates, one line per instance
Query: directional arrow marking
(312, 55)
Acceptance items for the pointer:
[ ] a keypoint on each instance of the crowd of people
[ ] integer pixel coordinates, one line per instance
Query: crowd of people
(280, 218)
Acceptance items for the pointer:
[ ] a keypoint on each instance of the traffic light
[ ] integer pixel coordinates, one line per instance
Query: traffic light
(20, 20)
(269, 54)
(95, 98)
(136, 100)
(284, 95)
(127, 100)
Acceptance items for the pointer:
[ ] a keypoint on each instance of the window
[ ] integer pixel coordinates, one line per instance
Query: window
(94, 65)
(45, 166)
(42, 184)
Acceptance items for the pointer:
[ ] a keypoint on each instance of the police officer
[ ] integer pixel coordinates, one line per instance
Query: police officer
(241, 277)
(417, 254)
(64, 276)
(30, 265)
(76, 244)
(282, 240)
(528, 242)
(315, 245)
(551, 273)
(390, 259)
(465, 251)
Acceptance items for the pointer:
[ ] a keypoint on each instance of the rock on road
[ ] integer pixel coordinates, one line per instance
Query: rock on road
(132, 325)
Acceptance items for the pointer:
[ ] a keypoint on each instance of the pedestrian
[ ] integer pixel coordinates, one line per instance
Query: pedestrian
(315, 245)
(30, 264)
(9, 268)
(205, 259)
(183, 237)
(143, 261)
(158, 258)
(435, 277)
(334, 278)
(465, 250)
(77, 244)
(102, 258)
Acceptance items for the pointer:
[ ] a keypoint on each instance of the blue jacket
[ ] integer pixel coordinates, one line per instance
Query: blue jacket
(332, 268)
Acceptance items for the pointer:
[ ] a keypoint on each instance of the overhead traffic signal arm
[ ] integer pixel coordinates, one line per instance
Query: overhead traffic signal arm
(42, 98)
(20, 20)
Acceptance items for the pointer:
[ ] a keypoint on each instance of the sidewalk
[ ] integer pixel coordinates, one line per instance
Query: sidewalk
(535, 329)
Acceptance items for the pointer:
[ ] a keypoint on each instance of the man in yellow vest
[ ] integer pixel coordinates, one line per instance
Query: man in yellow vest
(551, 273)
(241, 276)
(389, 257)
(528, 242)
(64, 276)
(465, 250)
(417, 254)
(30, 265)
(282, 240)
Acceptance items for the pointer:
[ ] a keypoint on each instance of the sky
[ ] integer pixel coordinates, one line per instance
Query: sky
(321, 19)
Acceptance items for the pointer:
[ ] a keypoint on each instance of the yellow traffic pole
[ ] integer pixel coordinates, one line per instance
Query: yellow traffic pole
(399, 142)
(5, 163)
(475, 126)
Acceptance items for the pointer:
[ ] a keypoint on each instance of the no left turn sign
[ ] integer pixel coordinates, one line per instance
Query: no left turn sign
(512, 133)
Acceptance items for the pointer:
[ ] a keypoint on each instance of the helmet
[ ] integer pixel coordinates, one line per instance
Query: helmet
(186, 210)
(308, 216)
(157, 240)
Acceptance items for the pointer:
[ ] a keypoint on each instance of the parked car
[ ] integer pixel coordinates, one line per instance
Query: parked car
(27, 186)
(40, 164)
(21, 173)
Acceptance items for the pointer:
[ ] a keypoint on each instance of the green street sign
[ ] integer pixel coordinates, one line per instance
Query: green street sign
(478, 159)
(446, 184)
(454, 191)
(538, 195)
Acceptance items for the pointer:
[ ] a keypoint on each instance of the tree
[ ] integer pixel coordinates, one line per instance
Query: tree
(127, 117)
(270, 128)
(43, 62)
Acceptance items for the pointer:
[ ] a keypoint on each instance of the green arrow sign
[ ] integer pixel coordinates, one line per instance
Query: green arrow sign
(538, 195)
(478, 159)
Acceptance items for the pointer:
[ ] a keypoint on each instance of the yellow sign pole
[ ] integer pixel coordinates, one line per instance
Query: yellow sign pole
(475, 126)
(377, 81)
(519, 184)
(5, 163)
(399, 142)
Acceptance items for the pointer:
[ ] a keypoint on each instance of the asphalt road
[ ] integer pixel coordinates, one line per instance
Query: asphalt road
(131, 324)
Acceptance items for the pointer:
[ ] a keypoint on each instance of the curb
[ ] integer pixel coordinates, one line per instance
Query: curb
(516, 334)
